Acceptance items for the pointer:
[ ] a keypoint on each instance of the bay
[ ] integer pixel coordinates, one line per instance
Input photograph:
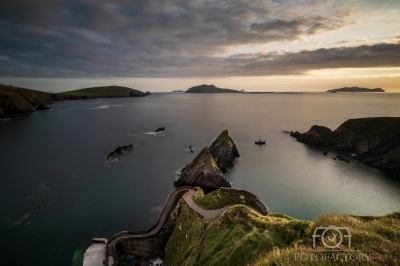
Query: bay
(58, 159)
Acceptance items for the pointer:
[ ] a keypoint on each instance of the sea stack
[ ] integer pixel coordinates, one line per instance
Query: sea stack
(202, 171)
(224, 151)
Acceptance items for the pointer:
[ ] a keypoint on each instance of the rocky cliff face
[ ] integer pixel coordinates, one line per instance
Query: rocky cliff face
(203, 171)
(224, 151)
(375, 141)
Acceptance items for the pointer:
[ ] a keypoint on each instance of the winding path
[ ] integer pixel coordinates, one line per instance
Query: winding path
(187, 194)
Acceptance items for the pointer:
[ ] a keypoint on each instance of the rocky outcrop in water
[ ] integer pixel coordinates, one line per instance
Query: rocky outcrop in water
(203, 172)
(224, 151)
(118, 151)
(374, 141)
(160, 129)
(42, 107)
(206, 170)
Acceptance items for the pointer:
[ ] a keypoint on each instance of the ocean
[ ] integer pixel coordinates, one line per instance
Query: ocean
(57, 159)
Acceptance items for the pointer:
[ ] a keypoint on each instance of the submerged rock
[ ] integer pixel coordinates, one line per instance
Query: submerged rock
(224, 151)
(118, 151)
(203, 172)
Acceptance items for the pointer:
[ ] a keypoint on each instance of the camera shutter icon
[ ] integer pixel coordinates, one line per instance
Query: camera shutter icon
(332, 236)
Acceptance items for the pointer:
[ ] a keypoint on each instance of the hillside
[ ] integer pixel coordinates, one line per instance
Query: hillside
(209, 89)
(241, 236)
(356, 89)
(103, 92)
(374, 141)
(16, 101)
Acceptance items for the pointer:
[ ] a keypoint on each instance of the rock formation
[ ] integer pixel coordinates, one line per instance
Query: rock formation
(119, 151)
(160, 129)
(374, 141)
(224, 151)
(42, 107)
(203, 171)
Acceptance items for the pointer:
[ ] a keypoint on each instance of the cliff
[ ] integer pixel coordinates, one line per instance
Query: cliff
(241, 236)
(374, 141)
(209, 89)
(202, 171)
(224, 151)
(16, 101)
(356, 89)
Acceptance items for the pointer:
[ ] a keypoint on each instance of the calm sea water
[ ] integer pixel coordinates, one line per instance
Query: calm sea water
(57, 159)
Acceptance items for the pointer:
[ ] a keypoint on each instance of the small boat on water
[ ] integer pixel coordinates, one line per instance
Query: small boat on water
(260, 142)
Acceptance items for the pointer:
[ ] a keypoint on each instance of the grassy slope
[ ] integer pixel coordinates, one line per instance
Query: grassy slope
(106, 91)
(219, 199)
(241, 236)
(19, 101)
(16, 100)
(380, 127)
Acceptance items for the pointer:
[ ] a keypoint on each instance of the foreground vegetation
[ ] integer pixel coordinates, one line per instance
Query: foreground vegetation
(241, 236)
(219, 199)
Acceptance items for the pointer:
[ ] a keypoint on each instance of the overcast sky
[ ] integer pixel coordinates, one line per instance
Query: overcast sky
(161, 45)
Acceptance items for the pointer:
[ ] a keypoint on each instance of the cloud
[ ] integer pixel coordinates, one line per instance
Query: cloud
(149, 38)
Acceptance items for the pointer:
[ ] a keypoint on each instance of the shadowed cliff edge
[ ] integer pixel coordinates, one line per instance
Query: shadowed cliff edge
(374, 141)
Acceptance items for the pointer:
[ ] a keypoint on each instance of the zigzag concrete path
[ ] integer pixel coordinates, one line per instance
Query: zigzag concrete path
(207, 214)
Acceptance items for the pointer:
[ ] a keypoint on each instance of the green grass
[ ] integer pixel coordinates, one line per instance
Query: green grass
(237, 237)
(241, 236)
(106, 91)
(322, 131)
(377, 238)
(18, 101)
(219, 199)
(381, 127)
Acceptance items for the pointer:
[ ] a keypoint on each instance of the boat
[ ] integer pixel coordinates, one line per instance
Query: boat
(260, 142)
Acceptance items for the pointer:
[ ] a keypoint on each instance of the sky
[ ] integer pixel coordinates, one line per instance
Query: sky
(164, 45)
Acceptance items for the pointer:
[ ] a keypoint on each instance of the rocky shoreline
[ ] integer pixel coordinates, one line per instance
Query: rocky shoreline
(373, 141)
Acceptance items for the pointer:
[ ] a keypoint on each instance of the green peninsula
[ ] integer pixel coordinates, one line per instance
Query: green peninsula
(374, 141)
(15, 101)
(209, 89)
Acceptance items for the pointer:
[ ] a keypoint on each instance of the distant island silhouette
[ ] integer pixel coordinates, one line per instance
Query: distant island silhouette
(209, 89)
(355, 89)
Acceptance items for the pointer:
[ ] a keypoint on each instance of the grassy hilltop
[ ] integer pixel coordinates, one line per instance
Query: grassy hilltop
(104, 92)
(241, 236)
(18, 101)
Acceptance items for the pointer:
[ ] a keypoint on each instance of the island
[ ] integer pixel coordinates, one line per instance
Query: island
(178, 91)
(16, 101)
(209, 89)
(355, 89)
(374, 141)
